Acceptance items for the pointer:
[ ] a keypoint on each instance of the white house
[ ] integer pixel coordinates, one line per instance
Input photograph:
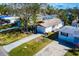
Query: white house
(69, 34)
(49, 25)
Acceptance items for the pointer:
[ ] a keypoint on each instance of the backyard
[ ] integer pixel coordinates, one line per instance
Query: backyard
(11, 36)
(31, 47)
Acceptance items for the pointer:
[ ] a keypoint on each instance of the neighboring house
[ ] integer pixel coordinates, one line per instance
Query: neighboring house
(75, 23)
(9, 22)
(46, 17)
(69, 34)
(49, 25)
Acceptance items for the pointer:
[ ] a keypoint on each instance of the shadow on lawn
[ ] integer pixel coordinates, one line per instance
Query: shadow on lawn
(53, 36)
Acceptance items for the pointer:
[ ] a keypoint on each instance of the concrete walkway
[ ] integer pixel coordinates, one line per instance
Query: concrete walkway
(53, 49)
(11, 46)
(3, 52)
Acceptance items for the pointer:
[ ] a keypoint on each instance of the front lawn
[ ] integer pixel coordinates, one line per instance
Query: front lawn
(31, 47)
(9, 37)
(72, 53)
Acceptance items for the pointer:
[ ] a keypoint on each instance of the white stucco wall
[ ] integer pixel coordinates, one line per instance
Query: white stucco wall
(48, 29)
(57, 27)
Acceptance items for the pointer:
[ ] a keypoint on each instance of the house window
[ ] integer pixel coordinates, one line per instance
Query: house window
(76, 38)
(65, 34)
(2, 21)
(77, 25)
(53, 26)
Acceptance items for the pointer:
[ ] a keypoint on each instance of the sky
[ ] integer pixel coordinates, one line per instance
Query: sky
(64, 5)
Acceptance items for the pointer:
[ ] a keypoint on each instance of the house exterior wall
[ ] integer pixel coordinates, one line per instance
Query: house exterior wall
(48, 29)
(57, 27)
(40, 29)
(69, 38)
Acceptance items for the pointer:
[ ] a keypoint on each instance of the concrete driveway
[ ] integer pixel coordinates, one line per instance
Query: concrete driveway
(3, 52)
(53, 49)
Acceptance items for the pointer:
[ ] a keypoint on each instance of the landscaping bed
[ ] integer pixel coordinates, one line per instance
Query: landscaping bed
(72, 53)
(9, 37)
(30, 48)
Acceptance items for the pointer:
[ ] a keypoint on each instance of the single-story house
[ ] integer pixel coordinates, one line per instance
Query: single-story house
(49, 25)
(69, 34)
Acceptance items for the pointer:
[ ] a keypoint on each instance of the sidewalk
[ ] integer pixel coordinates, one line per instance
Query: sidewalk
(11, 46)
(53, 49)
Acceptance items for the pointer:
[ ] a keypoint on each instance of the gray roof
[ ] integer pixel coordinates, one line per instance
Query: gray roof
(51, 22)
(70, 29)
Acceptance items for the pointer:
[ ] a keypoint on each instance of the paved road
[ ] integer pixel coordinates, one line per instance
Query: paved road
(11, 46)
(3, 52)
(53, 49)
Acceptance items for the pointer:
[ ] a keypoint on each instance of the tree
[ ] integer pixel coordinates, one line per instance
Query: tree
(49, 10)
(30, 10)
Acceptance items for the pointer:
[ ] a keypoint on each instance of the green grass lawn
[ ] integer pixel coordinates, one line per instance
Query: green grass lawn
(30, 48)
(50, 33)
(9, 37)
(72, 53)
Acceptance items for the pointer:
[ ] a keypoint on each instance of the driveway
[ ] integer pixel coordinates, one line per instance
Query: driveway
(3, 52)
(53, 49)
(13, 45)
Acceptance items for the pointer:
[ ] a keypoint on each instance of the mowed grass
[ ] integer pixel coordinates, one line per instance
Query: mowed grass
(30, 48)
(9, 37)
(72, 53)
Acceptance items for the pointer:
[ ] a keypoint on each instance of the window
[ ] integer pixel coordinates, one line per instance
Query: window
(14, 24)
(7, 21)
(77, 25)
(2, 21)
(53, 26)
(76, 38)
(65, 34)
